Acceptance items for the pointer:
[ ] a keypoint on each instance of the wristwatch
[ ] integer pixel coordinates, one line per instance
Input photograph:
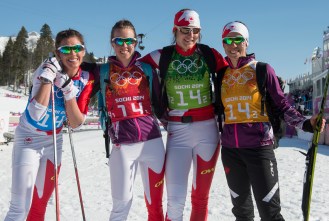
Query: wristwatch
(45, 80)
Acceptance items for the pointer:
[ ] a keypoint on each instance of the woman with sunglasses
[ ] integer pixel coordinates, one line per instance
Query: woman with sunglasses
(134, 130)
(187, 108)
(33, 151)
(247, 142)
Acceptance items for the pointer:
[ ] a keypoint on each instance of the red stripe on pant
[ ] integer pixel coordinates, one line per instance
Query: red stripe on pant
(156, 182)
(200, 195)
(39, 205)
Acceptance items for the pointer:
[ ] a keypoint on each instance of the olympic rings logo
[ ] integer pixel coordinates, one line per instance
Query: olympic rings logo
(238, 77)
(186, 65)
(121, 79)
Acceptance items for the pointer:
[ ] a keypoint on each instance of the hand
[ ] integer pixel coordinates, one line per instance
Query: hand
(64, 82)
(52, 64)
(49, 68)
(313, 122)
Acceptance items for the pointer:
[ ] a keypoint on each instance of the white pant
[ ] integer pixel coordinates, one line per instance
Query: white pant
(123, 163)
(196, 142)
(31, 153)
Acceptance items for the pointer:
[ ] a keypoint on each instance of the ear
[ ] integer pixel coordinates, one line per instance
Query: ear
(247, 43)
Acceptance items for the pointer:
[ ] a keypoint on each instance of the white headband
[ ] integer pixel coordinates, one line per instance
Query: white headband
(236, 27)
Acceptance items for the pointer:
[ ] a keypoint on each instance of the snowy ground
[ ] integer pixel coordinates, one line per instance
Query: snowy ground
(95, 184)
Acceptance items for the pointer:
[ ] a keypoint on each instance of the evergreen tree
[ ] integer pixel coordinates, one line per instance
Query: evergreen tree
(89, 57)
(20, 58)
(7, 62)
(2, 79)
(45, 45)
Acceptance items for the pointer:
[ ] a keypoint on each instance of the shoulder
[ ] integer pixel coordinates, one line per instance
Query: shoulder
(152, 58)
(155, 55)
(264, 68)
(143, 65)
(270, 70)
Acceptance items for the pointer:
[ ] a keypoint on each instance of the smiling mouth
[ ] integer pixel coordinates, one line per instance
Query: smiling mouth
(123, 51)
(73, 59)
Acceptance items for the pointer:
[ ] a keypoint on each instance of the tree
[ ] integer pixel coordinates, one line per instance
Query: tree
(2, 79)
(7, 62)
(20, 57)
(45, 45)
(1, 71)
(89, 57)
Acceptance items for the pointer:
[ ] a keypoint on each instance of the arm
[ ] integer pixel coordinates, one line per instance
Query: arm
(70, 91)
(43, 92)
(290, 115)
(158, 101)
(42, 86)
(77, 108)
(76, 118)
(89, 90)
(37, 106)
(152, 59)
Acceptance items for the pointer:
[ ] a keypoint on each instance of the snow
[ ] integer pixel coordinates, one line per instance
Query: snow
(31, 41)
(12, 101)
(3, 43)
(96, 190)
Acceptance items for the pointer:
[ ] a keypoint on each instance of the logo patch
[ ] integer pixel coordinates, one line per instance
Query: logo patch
(28, 140)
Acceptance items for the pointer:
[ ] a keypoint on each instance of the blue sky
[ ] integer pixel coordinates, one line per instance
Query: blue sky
(282, 33)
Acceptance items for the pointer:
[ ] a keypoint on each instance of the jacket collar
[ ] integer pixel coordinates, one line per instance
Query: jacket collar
(242, 61)
(113, 60)
(185, 53)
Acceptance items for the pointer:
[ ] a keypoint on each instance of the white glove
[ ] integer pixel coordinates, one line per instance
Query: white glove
(49, 69)
(64, 82)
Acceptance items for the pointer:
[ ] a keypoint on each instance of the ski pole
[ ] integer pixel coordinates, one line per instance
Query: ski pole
(55, 151)
(76, 172)
(311, 157)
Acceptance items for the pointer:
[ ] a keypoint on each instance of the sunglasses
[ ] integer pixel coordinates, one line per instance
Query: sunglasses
(185, 30)
(237, 40)
(120, 41)
(66, 49)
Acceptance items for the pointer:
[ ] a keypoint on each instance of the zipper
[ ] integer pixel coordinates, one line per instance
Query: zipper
(236, 135)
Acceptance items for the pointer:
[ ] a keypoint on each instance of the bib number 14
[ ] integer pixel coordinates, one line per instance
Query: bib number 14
(200, 99)
(241, 111)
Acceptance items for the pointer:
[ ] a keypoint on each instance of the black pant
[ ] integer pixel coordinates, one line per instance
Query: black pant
(255, 167)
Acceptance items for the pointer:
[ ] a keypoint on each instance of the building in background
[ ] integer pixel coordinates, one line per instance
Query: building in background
(320, 67)
(307, 89)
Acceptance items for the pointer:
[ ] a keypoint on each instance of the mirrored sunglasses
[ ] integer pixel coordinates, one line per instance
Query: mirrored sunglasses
(186, 30)
(67, 49)
(237, 40)
(120, 41)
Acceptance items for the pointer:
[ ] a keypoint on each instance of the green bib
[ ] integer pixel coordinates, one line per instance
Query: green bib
(188, 82)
